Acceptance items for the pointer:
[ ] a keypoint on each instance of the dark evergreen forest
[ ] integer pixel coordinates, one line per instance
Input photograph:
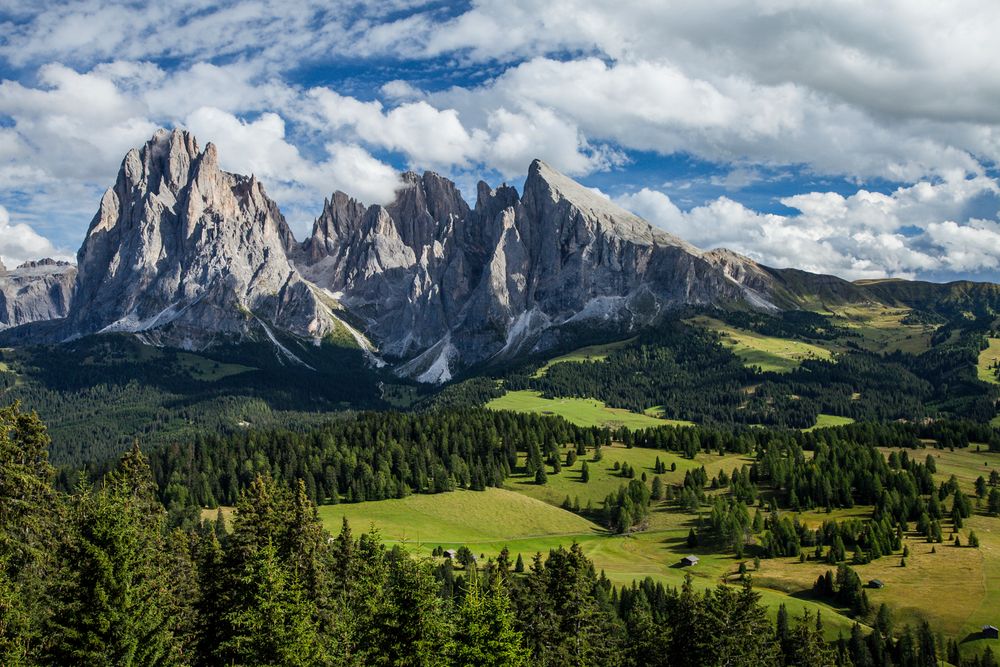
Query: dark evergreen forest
(98, 577)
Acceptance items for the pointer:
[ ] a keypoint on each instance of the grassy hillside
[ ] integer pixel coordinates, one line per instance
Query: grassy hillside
(988, 359)
(880, 328)
(488, 521)
(494, 515)
(580, 411)
(870, 326)
(780, 355)
(825, 421)
(589, 353)
(605, 479)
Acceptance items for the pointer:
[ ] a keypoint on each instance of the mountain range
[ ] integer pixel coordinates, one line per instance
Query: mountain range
(183, 254)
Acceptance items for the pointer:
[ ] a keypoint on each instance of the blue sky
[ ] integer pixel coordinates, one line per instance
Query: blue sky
(860, 139)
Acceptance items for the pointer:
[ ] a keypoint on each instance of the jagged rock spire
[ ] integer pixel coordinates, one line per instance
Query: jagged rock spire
(183, 249)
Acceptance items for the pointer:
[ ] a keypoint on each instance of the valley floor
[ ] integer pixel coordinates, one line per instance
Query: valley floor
(956, 588)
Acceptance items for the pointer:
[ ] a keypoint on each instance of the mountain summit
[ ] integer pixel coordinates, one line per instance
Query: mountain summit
(183, 254)
(442, 285)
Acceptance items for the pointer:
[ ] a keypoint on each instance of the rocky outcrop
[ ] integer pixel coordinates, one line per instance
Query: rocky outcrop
(35, 292)
(186, 253)
(182, 253)
(443, 286)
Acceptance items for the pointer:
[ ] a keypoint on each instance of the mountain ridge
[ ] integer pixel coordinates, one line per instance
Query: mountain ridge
(181, 253)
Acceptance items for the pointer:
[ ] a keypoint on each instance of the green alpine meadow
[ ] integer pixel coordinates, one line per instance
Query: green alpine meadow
(499, 333)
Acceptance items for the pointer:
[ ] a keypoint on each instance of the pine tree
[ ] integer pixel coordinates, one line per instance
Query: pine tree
(114, 603)
(272, 622)
(806, 646)
(29, 523)
(926, 644)
(741, 625)
(484, 630)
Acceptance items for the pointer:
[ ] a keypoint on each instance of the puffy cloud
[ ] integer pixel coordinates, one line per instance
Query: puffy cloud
(426, 135)
(901, 91)
(865, 235)
(967, 248)
(655, 106)
(259, 147)
(537, 132)
(19, 242)
(77, 123)
(900, 58)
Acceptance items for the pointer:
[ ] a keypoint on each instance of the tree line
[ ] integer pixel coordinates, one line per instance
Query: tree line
(688, 372)
(97, 577)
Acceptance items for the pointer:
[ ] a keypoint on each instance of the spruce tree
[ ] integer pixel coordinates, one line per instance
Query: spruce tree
(29, 525)
(272, 623)
(484, 632)
(113, 601)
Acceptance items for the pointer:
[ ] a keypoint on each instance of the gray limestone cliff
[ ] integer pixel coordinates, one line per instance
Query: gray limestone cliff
(441, 285)
(186, 253)
(35, 292)
(182, 253)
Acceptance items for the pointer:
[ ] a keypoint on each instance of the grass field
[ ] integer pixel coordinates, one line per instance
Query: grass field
(589, 353)
(965, 464)
(604, 479)
(873, 327)
(780, 355)
(494, 515)
(824, 421)
(988, 358)
(956, 589)
(488, 521)
(963, 583)
(580, 411)
(881, 328)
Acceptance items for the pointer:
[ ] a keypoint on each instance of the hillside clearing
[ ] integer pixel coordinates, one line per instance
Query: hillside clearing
(486, 522)
(988, 360)
(589, 353)
(882, 329)
(579, 411)
(779, 355)
(494, 515)
(826, 421)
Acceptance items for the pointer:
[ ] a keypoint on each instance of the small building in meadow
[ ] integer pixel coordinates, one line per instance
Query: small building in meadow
(689, 561)
(991, 632)
(876, 583)
(451, 554)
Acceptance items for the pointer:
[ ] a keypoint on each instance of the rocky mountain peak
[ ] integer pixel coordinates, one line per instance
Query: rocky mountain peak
(35, 291)
(185, 250)
(441, 285)
(340, 219)
(183, 253)
(550, 194)
(425, 207)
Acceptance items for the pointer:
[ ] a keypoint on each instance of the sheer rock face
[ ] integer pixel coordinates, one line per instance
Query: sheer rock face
(444, 285)
(184, 251)
(35, 292)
